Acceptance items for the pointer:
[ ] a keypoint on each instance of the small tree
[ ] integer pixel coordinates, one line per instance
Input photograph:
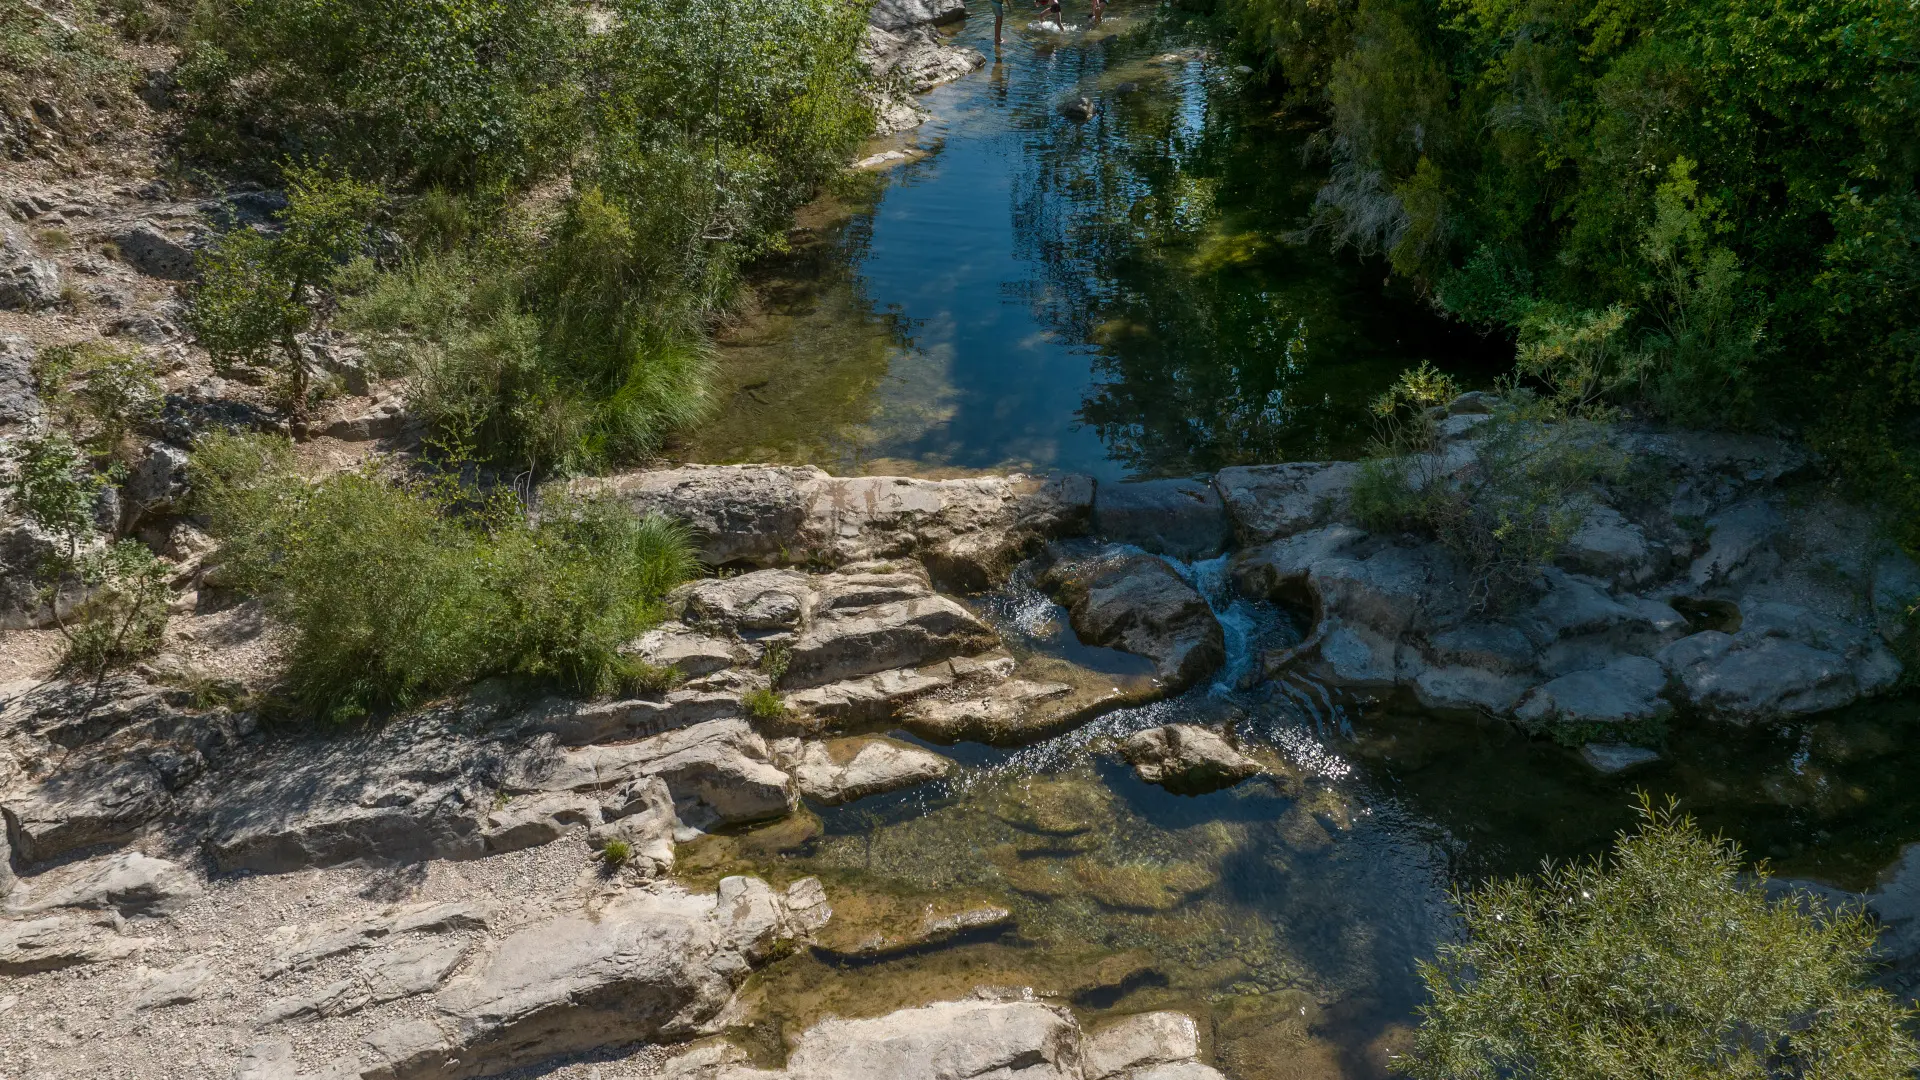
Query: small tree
(260, 291)
(1665, 961)
(100, 391)
(124, 610)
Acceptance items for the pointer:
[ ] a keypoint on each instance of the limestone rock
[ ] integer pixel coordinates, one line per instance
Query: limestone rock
(844, 643)
(176, 986)
(130, 883)
(872, 927)
(104, 801)
(1625, 691)
(766, 601)
(1140, 1041)
(645, 820)
(1272, 502)
(1182, 518)
(718, 772)
(56, 942)
(870, 699)
(693, 653)
(1187, 759)
(335, 939)
(970, 531)
(532, 822)
(1609, 546)
(1740, 546)
(577, 723)
(27, 281)
(1785, 661)
(1137, 603)
(901, 14)
(843, 770)
(1612, 758)
(961, 1040)
(414, 968)
(152, 252)
(649, 965)
(383, 419)
(159, 479)
(20, 403)
(1015, 712)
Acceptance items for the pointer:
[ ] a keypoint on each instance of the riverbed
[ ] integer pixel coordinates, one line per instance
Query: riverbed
(1130, 296)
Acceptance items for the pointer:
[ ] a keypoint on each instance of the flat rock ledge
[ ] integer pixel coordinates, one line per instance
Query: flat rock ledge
(972, 1040)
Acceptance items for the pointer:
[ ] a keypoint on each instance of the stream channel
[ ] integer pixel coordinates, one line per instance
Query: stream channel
(1118, 297)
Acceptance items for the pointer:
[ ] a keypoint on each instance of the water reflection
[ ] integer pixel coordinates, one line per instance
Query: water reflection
(1115, 296)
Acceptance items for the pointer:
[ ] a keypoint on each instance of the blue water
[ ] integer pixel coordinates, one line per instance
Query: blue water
(1122, 297)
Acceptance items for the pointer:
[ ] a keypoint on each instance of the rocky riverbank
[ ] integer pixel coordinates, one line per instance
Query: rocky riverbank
(435, 897)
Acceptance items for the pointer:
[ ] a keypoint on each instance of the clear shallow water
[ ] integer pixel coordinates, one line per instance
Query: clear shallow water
(1115, 297)
(1287, 913)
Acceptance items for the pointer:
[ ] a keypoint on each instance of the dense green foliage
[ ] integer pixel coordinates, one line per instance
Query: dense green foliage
(99, 391)
(1665, 960)
(108, 599)
(398, 588)
(1734, 177)
(563, 334)
(257, 293)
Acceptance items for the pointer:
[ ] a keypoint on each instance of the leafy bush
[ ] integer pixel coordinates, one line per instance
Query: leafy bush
(466, 92)
(764, 703)
(1734, 177)
(123, 587)
(398, 588)
(98, 390)
(1506, 510)
(257, 294)
(65, 63)
(1666, 960)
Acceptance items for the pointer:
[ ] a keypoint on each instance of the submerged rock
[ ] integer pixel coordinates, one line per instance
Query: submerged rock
(843, 770)
(1187, 759)
(1137, 603)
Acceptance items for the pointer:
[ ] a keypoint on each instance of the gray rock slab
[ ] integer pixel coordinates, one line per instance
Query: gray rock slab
(151, 251)
(1271, 502)
(27, 281)
(1187, 758)
(1612, 758)
(1627, 690)
(20, 403)
(58, 941)
(129, 882)
(844, 770)
(105, 801)
(180, 985)
(1138, 1041)
(902, 14)
(720, 770)
(1137, 603)
(1182, 518)
(842, 643)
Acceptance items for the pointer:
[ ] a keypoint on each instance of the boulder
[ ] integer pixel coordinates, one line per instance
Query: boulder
(106, 800)
(382, 419)
(1626, 691)
(648, 966)
(1182, 518)
(1137, 1042)
(1609, 546)
(20, 404)
(719, 772)
(1137, 603)
(902, 14)
(842, 770)
(969, 532)
(158, 480)
(1272, 502)
(918, 59)
(1785, 661)
(541, 819)
(27, 281)
(1187, 759)
(1339, 571)
(688, 651)
(842, 643)
(644, 819)
(747, 605)
(129, 883)
(147, 249)
(1610, 758)
(871, 699)
(961, 1040)
(56, 942)
(1015, 712)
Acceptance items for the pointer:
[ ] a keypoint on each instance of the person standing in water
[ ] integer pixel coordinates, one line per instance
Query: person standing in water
(999, 15)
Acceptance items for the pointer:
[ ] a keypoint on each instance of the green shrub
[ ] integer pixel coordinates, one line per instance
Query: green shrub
(1665, 960)
(257, 293)
(764, 703)
(615, 854)
(63, 61)
(399, 588)
(98, 391)
(123, 587)
(465, 92)
(1506, 511)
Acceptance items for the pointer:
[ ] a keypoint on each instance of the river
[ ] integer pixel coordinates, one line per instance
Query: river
(1123, 297)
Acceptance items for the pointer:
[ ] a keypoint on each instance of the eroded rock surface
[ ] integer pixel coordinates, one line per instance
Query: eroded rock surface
(1187, 758)
(1137, 603)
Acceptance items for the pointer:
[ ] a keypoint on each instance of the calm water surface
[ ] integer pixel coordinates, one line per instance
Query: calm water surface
(1116, 297)
(1119, 297)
